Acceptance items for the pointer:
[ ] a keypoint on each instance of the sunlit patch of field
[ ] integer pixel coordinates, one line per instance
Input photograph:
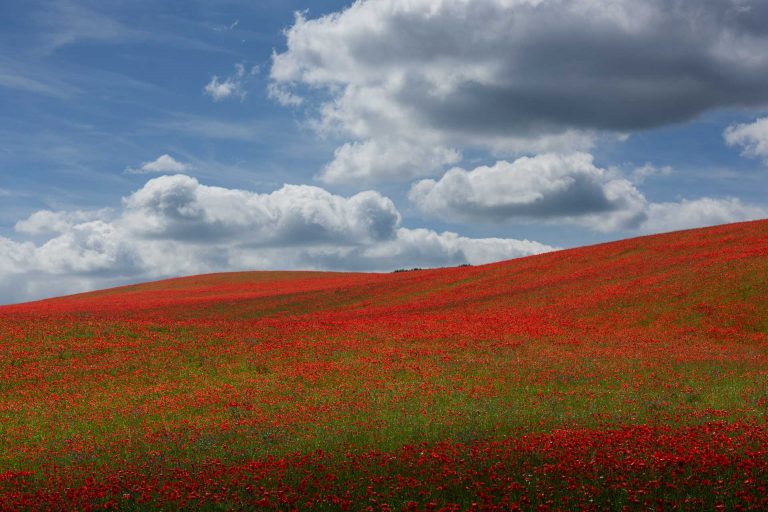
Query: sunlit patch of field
(631, 374)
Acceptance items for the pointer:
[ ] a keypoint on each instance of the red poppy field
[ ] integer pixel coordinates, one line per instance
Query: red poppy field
(630, 375)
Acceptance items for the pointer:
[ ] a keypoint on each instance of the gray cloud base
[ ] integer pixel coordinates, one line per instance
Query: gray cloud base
(550, 187)
(566, 189)
(518, 75)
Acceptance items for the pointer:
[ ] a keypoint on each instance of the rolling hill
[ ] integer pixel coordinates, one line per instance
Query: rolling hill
(628, 374)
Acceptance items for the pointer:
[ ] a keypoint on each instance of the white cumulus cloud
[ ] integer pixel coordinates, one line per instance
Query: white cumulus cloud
(567, 189)
(751, 137)
(697, 213)
(162, 164)
(549, 187)
(425, 247)
(180, 208)
(44, 222)
(386, 160)
(513, 76)
(174, 225)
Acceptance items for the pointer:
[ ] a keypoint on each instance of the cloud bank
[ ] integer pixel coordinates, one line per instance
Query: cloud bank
(401, 78)
(566, 189)
(706, 211)
(175, 225)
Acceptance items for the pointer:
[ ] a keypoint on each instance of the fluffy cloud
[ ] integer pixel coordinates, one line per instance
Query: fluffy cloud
(90, 248)
(752, 138)
(517, 75)
(162, 164)
(386, 160)
(180, 208)
(567, 190)
(699, 212)
(45, 222)
(548, 187)
(174, 225)
(231, 86)
(14, 256)
(422, 248)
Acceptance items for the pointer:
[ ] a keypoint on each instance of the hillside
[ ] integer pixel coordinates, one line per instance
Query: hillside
(630, 373)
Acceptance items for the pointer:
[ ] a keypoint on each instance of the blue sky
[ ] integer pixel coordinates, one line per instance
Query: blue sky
(100, 89)
(141, 140)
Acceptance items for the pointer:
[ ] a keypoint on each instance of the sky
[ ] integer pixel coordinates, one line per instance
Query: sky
(141, 140)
